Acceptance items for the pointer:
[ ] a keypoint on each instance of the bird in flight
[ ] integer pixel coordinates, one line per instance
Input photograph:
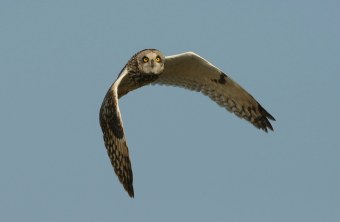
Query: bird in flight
(187, 70)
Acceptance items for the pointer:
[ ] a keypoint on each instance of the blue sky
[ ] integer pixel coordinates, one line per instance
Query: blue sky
(192, 160)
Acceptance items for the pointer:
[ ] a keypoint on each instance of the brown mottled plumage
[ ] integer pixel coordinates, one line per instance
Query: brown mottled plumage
(186, 70)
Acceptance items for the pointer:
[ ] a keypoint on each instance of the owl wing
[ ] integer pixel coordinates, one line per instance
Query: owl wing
(190, 71)
(114, 137)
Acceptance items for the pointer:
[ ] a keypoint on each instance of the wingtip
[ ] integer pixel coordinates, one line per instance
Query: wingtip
(270, 117)
(269, 126)
(266, 116)
(129, 190)
(266, 124)
(131, 193)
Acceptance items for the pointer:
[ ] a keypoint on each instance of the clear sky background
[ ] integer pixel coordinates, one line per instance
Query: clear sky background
(192, 160)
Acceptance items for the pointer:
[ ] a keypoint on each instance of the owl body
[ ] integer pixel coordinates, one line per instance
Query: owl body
(187, 70)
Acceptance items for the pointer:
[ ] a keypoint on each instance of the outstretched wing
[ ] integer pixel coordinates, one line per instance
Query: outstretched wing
(114, 138)
(189, 70)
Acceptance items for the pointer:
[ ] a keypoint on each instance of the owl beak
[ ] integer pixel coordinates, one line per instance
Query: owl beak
(152, 63)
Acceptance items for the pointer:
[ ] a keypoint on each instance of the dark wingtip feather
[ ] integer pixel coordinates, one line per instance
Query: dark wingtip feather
(129, 190)
(131, 193)
(270, 116)
(265, 122)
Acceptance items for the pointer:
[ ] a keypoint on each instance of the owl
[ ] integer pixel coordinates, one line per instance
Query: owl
(187, 70)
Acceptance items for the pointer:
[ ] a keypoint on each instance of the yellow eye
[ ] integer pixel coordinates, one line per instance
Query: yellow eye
(145, 59)
(158, 59)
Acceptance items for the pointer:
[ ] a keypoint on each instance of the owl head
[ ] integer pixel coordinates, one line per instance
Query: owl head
(150, 61)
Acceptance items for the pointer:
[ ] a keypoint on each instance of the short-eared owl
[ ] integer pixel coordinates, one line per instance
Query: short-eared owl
(187, 70)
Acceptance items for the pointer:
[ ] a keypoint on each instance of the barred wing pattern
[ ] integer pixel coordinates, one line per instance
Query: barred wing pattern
(190, 71)
(114, 138)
